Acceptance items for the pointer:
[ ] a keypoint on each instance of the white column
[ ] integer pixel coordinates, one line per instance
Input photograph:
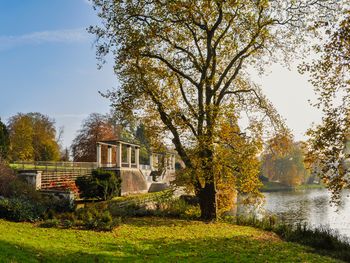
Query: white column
(137, 157)
(98, 154)
(151, 161)
(109, 156)
(173, 161)
(157, 161)
(129, 156)
(119, 155)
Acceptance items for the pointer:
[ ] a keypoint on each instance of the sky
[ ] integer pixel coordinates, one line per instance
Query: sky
(48, 65)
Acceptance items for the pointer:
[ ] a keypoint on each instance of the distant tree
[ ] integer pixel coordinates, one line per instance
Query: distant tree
(21, 138)
(96, 127)
(283, 161)
(329, 142)
(143, 139)
(65, 155)
(4, 140)
(32, 137)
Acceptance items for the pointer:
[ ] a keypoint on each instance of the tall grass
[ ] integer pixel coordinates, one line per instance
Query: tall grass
(323, 240)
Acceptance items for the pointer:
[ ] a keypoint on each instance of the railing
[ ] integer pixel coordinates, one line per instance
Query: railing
(57, 174)
(145, 167)
(52, 166)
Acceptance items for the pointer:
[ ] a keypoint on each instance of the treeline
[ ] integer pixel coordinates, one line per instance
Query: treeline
(34, 137)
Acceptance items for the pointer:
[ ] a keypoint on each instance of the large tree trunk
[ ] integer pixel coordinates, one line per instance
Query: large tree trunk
(207, 201)
(207, 192)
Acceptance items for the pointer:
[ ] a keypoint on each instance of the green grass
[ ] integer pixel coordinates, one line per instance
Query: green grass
(275, 187)
(143, 196)
(152, 240)
(309, 186)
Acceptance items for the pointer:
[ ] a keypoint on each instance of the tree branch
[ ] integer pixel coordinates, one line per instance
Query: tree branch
(172, 67)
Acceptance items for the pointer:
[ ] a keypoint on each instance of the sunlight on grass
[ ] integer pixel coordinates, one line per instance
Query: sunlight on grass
(149, 239)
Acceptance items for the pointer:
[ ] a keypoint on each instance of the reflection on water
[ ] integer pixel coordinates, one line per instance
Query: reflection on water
(312, 207)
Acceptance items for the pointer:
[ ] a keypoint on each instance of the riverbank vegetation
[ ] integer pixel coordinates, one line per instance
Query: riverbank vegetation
(323, 239)
(277, 187)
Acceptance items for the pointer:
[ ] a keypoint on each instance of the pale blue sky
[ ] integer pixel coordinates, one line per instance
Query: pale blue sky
(47, 62)
(48, 65)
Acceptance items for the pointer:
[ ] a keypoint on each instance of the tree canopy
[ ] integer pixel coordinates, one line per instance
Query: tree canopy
(283, 161)
(32, 138)
(329, 141)
(183, 67)
(96, 127)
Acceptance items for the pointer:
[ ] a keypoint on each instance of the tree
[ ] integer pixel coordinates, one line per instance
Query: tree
(145, 146)
(283, 161)
(65, 155)
(32, 137)
(182, 63)
(4, 141)
(95, 127)
(328, 143)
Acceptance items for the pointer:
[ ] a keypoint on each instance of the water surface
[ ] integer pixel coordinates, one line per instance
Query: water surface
(311, 206)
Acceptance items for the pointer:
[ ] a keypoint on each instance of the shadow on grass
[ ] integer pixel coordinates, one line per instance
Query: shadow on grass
(19, 253)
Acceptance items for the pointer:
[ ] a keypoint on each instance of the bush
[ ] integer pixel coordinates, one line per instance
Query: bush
(50, 223)
(19, 209)
(156, 204)
(179, 208)
(67, 223)
(176, 208)
(102, 185)
(95, 219)
(190, 199)
(13, 187)
(21, 202)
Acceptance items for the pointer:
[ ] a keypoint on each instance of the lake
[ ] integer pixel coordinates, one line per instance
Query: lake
(310, 206)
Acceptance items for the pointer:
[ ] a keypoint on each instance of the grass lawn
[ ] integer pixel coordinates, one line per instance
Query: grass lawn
(152, 240)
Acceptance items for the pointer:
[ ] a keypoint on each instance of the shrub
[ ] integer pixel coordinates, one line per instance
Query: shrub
(156, 204)
(67, 223)
(102, 185)
(95, 219)
(179, 208)
(50, 223)
(131, 209)
(190, 199)
(21, 202)
(12, 186)
(6, 177)
(87, 187)
(19, 209)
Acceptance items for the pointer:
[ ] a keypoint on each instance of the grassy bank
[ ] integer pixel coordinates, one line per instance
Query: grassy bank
(276, 187)
(152, 240)
(309, 186)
